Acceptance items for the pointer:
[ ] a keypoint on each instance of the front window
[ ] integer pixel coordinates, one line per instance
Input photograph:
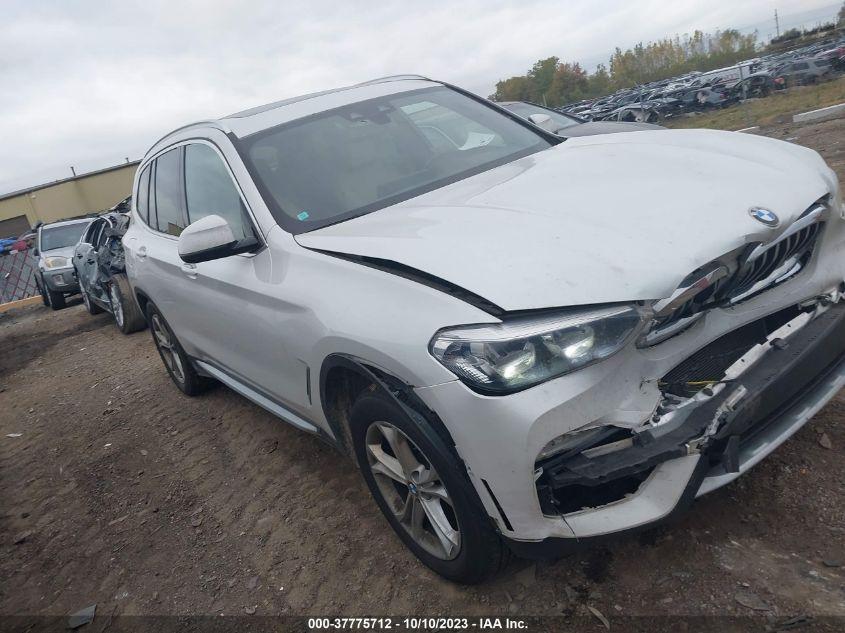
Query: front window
(209, 190)
(365, 156)
(61, 236)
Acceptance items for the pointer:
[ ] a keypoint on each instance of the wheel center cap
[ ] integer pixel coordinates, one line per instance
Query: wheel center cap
(412, 488)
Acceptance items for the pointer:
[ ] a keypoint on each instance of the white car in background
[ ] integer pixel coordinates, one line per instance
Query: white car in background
(524, 342)
(53, 253)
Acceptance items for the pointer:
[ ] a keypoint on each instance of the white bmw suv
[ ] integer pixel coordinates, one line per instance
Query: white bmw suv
(524, 341)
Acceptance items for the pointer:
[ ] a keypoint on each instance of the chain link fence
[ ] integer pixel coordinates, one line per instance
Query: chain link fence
(17, 276)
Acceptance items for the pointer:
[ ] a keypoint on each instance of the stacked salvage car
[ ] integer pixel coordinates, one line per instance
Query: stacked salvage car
(99, 263)
(701, 91)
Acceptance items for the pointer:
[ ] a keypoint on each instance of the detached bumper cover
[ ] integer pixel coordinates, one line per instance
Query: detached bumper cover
(783, 390)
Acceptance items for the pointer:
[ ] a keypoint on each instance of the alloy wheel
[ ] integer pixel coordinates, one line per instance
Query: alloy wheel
(116, 305)
(167, 347)
(413, 490)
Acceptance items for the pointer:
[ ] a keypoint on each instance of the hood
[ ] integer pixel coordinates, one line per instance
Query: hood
(596, 219)
(604, 127)
(66, 251)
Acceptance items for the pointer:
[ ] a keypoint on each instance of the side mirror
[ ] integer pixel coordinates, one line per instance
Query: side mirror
(36, 252)
(542, 120)
(208, 238)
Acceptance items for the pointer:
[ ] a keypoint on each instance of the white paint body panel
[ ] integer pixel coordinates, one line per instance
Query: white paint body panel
(594, 220)
(611, 218)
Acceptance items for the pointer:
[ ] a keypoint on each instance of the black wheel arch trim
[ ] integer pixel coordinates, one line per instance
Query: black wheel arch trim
(391, 385)
(400, 392)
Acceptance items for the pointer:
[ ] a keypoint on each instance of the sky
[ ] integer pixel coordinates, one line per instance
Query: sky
(90, 84)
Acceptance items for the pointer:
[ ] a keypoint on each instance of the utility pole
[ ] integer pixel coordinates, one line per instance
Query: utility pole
(777, 23)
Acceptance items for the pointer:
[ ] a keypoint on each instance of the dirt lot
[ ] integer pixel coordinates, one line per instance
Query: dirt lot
(123, 492)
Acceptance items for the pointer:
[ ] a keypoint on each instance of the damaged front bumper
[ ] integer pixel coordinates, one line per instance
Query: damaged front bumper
(765, 397)
(662, 450)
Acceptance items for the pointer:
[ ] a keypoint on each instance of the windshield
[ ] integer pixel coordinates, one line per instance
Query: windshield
(525, 110)
(61, 236)
(362, 157)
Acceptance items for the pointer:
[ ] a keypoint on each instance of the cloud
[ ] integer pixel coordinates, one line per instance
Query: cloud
(88, 84)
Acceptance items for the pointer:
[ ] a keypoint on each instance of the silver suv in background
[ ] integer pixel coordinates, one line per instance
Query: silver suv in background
(53, 253)
(524, 342)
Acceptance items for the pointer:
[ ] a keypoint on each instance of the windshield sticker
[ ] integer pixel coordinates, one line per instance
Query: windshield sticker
(303, 215)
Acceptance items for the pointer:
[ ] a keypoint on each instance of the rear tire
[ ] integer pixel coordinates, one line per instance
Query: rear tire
(480, 552)
(126, 311)
(175, 360)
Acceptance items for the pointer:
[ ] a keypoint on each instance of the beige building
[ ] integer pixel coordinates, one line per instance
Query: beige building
(86, 193)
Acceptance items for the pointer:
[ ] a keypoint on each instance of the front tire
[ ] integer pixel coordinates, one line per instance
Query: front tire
(55, 300)
(417, 482)
(40, 285)
(175, 360)
(92, 307)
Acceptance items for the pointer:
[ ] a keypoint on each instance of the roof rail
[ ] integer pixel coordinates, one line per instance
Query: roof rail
(284, 102)
(210, 122)
(381, 80)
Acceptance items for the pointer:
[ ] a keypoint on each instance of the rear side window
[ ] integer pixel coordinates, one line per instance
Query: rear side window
(167, 194)
(209, 190)
(142, 203)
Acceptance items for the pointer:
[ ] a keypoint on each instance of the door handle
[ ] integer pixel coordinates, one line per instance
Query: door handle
(142, 251)
(190, 270)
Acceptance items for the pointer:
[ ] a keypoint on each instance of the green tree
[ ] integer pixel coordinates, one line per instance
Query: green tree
(540, 79)
(599, 82)
(569, 84)
(513, 89)
(553, 82)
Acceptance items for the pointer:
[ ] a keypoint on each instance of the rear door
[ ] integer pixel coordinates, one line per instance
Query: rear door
(156, 266)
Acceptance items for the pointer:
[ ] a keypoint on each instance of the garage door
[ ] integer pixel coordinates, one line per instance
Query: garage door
(14, 227)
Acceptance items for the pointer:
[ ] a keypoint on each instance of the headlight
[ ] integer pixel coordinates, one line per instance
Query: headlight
(519, 353)
(55, 262)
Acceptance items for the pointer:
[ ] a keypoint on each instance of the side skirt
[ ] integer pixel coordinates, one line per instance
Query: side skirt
(262, 401)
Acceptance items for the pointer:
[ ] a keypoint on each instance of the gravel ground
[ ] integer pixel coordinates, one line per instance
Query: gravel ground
(123, 492)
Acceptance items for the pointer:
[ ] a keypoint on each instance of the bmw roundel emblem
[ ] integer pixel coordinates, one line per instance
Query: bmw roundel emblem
(764, 216)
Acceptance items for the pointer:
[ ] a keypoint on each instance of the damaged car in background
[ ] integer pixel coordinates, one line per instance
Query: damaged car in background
(520, 344)
(99, 264)
(567, 125)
